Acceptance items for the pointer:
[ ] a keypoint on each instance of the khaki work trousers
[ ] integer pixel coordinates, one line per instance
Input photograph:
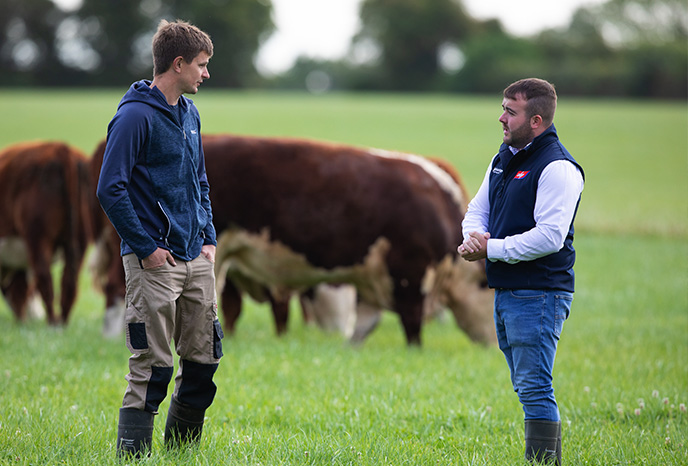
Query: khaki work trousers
(164, 304)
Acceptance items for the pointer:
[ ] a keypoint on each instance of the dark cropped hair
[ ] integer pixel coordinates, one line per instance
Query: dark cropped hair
(540, 97)
(175, 39)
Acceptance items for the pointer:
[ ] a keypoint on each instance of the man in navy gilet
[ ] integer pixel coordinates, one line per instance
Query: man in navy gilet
(521, 221)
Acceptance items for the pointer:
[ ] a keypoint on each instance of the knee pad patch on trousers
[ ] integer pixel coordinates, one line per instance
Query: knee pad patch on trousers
(157, 387)
(197, 389)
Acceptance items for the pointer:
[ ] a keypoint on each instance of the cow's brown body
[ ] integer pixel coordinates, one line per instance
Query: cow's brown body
(291, 214)
(44, 210)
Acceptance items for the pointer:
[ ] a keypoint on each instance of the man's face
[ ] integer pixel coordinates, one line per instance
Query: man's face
(516, 123)
(194, 73)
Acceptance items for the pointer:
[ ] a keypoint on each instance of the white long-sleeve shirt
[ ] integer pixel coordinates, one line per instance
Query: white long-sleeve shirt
(559, 189)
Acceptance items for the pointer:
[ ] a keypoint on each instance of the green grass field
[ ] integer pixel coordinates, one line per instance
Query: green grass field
(308, 398)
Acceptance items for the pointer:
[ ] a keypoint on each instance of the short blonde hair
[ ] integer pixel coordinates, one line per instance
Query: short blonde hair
(178, 38)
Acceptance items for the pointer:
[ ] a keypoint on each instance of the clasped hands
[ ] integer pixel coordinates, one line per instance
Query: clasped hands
(474, 246)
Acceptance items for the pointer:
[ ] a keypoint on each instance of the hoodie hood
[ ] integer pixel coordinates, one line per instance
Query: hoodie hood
(141, 91)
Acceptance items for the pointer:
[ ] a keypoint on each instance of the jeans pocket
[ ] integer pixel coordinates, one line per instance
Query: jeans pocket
(562, 308)
(524, 316)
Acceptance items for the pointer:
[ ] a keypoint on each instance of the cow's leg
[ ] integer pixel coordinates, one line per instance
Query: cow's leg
(306, 300)
(70, 280)
(231, 306)
(34, 307)
(15, 287)
(280, 311)
(367, 319)
(409, 306)
(40, 258)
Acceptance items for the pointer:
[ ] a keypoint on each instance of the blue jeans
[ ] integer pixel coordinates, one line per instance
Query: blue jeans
(529, 323)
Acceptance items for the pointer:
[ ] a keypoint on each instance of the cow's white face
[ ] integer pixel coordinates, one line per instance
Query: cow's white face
(460, 286)
(471, 301)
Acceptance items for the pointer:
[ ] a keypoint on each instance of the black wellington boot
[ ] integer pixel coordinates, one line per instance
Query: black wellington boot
(543, 442)
(134, 432)
(184, 424)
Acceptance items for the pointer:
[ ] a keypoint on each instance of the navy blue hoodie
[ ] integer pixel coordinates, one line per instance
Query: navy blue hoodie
(153, 186)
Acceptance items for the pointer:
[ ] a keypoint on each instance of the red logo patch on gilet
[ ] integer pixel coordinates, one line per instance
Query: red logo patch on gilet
(520, 175)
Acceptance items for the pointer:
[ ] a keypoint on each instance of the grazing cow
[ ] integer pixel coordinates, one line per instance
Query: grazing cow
(44, 213)
(291, 214)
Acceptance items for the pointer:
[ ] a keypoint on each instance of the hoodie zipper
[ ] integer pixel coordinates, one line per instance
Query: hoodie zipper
(169, 226)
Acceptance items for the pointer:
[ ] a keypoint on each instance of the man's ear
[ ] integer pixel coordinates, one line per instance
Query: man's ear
(177, 64)
(535, 121)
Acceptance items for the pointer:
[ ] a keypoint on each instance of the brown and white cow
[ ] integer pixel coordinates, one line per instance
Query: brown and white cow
(292, 214)
(44, 213)
(295, 214)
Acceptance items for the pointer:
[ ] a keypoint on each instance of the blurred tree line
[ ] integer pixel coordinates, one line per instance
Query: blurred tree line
(636, 48)
(108, 42)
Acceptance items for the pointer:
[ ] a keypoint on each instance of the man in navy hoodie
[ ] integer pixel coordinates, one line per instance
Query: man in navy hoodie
(154, 189)
(521, 221)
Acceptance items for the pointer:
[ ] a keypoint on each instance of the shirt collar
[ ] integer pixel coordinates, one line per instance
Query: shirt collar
(516, 151)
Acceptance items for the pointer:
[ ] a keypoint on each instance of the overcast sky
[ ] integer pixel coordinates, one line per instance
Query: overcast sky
(323, 28)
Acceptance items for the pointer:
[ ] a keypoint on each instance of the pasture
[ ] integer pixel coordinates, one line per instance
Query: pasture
(621, 376)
